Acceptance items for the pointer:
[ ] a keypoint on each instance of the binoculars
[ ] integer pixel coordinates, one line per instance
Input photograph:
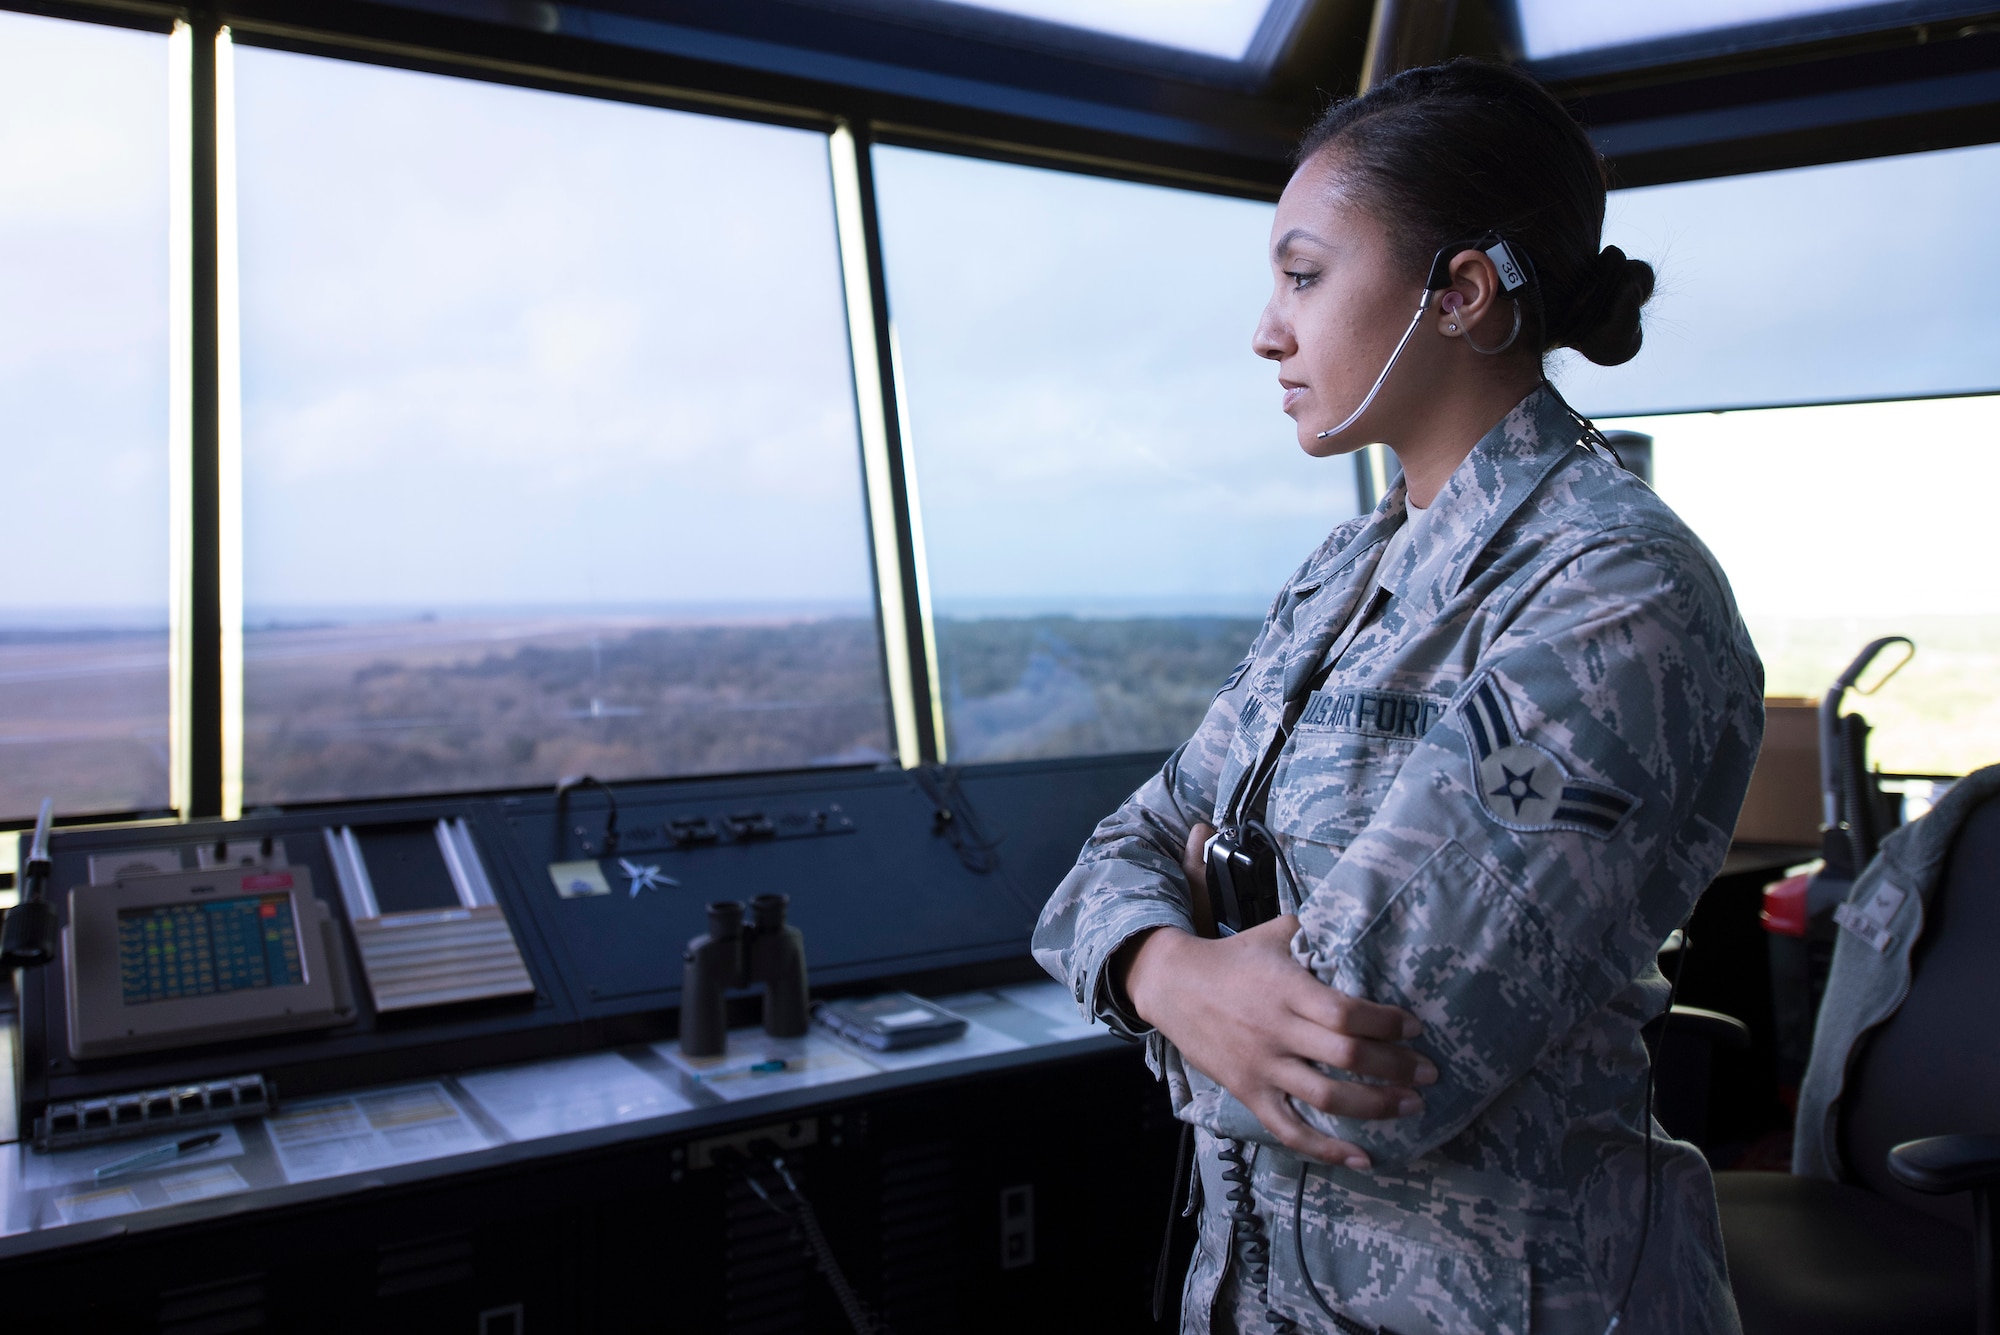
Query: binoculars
(736, 954)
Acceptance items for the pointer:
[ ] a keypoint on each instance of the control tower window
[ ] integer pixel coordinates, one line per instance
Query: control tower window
(84, 414)
(1108, 492)
(1847, 522)
(550, 460)
(1780, 295)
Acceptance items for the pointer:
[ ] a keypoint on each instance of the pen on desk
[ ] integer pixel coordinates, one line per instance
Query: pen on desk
(158, 1154)
(772, 1066)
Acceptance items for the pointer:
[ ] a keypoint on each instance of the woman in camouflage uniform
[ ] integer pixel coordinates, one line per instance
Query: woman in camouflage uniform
(1496, 733)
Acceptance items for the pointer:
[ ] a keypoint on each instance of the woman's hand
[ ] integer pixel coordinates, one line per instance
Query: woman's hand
(1250, 1017)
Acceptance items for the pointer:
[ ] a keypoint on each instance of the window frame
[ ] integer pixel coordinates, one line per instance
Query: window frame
(1090, 111)
(1827, 26)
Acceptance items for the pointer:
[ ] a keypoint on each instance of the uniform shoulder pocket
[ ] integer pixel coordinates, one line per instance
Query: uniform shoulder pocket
(1464, 951)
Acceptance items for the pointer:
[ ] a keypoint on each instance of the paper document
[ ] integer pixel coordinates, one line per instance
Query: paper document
(757, 1064)
(379, 1129)
(102, 1203)
(570, 1094)
(198, 1184)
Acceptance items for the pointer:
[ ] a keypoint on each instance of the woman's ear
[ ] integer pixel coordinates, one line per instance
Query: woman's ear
(1474, 292)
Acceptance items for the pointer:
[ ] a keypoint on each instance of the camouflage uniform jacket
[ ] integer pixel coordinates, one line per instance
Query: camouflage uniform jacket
(1518, 778)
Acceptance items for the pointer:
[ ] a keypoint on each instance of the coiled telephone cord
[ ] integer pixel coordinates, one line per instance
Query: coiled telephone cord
(1255, 1249)
(1248, 1232)
(806, 1228)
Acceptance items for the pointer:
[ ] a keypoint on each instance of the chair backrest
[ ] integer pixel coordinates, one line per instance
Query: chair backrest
(1934, 1068)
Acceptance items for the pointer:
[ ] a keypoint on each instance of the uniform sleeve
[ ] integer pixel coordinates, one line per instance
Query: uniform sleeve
(1542, 840)
(1128, 879)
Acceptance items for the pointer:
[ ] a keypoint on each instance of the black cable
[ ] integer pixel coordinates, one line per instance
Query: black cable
(952, 815)
(1593, 438)
(1646, 1197)
(1247, 1231)
(1174, 1213)
(805, 1223)
(563, 787)
(1346, 1325)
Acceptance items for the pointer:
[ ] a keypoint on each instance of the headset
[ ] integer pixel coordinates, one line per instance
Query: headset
(1514, 276)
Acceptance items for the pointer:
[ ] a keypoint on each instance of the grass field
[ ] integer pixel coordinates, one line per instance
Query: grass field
(388, 708)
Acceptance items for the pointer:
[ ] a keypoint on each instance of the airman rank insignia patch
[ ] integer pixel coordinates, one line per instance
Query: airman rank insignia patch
(1523, 786)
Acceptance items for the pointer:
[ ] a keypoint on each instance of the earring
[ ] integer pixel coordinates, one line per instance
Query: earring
(1451, 328)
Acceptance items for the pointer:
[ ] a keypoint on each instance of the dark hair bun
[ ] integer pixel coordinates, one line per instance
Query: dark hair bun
(1444, 152)
(1603, 323)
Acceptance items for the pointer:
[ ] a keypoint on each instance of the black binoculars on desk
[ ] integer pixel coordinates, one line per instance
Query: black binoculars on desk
(733, 954)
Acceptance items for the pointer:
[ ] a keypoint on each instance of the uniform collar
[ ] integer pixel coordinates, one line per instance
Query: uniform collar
(1478, 499)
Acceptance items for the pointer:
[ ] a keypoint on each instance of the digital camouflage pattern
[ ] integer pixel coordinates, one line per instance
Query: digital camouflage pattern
(1518, 778)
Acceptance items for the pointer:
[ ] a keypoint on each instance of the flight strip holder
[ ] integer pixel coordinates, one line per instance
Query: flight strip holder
(454, 947)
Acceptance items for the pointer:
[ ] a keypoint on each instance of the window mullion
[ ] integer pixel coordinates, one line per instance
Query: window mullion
(899, 586)
(196, 638)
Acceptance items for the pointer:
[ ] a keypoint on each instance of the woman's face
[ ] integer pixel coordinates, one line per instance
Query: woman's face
(1339, 304)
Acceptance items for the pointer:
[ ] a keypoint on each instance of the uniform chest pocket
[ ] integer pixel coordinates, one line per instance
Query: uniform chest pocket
(1330, 784)
(1348, 747)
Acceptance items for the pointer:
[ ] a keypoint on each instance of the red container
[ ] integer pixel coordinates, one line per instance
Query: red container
(1784, 912)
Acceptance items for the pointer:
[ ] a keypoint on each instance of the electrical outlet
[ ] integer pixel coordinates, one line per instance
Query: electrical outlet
(1017, 1226)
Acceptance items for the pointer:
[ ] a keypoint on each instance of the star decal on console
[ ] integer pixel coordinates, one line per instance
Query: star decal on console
(645, 878)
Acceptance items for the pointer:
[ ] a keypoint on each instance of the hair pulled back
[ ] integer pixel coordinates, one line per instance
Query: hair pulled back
(1449, 152)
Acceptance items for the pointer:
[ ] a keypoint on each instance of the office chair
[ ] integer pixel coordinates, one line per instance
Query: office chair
(1683, 1051)
(1907, 1244)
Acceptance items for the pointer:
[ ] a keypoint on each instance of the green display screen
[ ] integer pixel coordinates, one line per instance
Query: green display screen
(173, 951)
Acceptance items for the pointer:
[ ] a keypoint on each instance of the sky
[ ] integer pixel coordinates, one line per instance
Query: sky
(1561, 27)
(83, 317)
(511, 348)
(1090, 428)
(1841, 511)
(1213, 27)
(1822, 283)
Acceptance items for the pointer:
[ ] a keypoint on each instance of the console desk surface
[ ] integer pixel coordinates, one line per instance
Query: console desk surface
(365, 1139)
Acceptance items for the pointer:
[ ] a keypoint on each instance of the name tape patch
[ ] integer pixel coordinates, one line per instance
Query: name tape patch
(1870, 921)
(1246, 719)
(1523, 786)
(1372, 713)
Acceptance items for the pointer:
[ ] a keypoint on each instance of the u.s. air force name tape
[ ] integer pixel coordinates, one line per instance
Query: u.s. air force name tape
(1522, 785)
(1372, 713)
